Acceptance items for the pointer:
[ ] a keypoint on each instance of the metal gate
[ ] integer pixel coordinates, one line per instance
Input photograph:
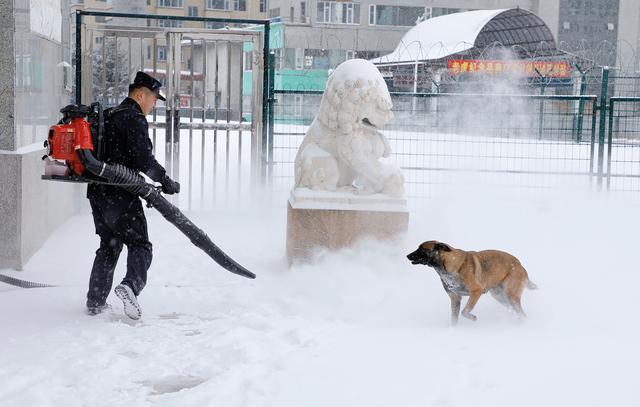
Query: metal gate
(208, 133)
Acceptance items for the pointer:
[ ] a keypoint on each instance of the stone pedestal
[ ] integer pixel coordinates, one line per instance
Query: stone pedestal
(333, 220)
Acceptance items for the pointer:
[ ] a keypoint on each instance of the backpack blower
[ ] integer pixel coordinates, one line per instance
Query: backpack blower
(73, 139)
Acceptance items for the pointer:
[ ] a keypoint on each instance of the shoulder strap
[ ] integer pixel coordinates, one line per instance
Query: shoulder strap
(120, 108)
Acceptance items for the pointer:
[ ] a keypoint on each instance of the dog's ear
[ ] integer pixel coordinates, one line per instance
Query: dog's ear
(442, 247)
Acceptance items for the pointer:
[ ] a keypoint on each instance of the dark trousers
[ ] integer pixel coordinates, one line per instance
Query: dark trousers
(118, 220)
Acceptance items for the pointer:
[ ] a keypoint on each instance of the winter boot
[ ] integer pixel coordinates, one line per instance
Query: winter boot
(97, 309)
(129, 300)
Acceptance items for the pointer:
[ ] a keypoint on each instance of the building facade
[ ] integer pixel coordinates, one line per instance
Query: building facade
(606, 31)
(318, 35)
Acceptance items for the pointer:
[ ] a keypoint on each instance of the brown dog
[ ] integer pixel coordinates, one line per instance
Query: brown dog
(473, 274)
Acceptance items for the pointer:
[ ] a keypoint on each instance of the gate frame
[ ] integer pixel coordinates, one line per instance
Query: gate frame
(263, 133)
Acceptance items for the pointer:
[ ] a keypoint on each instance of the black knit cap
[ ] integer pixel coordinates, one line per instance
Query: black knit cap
(144, 80)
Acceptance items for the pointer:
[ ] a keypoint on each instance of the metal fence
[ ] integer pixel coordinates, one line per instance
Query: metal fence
(523, 142)
(536, 142)
(438, 140)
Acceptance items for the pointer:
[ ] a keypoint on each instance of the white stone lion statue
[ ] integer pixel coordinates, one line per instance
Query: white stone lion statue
(343, 147)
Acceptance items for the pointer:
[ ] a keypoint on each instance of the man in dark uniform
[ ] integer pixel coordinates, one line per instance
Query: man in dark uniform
(117, 214)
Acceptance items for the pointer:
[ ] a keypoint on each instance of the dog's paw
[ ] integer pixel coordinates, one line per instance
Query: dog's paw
(469, 315)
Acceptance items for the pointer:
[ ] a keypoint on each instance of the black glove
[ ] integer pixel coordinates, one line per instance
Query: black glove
(170, 186)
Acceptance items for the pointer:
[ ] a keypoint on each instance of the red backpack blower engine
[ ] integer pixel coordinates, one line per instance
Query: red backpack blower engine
(72, 141)
(72, 133)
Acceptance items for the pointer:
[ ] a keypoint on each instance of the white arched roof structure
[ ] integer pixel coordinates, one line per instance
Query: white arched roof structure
(456, 33)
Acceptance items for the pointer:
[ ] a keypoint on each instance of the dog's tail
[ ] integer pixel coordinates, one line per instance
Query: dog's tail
(531, 285)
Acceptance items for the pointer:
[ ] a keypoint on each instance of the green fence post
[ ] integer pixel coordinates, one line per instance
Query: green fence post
(541, 104)
(609, 142)
(541, 118)
(265, 101)
(272, 102)
(583, 88)
(602, 122)
(594, 113)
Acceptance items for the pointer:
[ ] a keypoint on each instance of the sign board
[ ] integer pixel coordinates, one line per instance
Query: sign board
(549, 69)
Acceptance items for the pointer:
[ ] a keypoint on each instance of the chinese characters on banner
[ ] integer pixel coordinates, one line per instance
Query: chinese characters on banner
(549, 69)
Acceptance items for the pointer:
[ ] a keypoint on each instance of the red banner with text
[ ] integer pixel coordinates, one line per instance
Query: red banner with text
(548, 69)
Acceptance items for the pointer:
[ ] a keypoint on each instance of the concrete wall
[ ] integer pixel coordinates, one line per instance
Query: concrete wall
(30, 209)
(9, 211)
(629, 35)
(7, 69)
(31, 95)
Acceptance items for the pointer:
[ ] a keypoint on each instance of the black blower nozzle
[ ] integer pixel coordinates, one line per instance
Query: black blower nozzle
(133, 182)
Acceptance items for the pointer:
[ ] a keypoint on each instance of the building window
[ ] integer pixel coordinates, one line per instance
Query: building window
(333, 12)
(370, 54)
(98, 40)
(193, 11)
(350, 55)
(442, 11)
(298, 104)
(427, 13)
(161, 55)
(247, 61)
(217, 4)
(351, 15)
(171, 3)
(274, 12)
(263, 6)
(240, 5)
(303, 11)
(299, 58)
(396, 15)
(316, 59)
(170, 23)
(213, 25)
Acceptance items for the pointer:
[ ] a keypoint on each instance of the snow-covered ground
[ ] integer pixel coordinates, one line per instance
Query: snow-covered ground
(360, 327)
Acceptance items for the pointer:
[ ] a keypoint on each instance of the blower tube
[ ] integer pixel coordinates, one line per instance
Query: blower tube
(133, 182)
(22, 283)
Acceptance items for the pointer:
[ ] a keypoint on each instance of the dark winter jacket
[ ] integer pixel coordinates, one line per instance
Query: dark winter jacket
(126, 142)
